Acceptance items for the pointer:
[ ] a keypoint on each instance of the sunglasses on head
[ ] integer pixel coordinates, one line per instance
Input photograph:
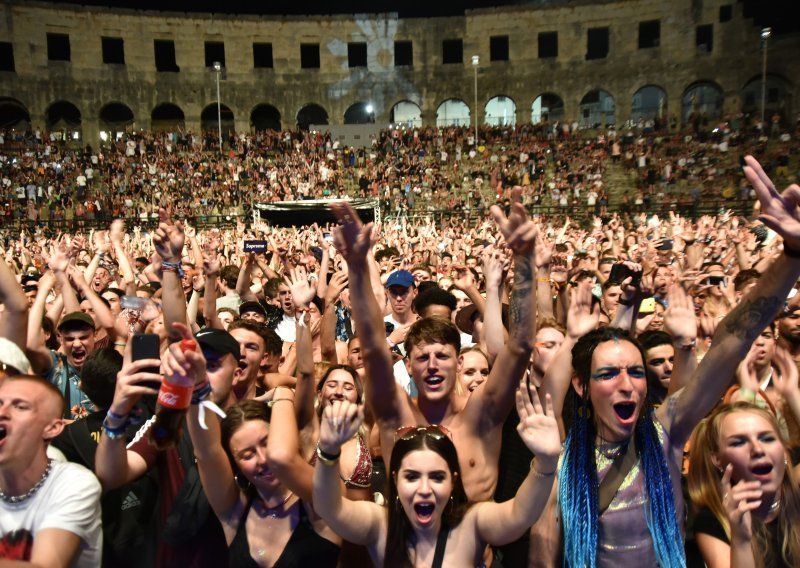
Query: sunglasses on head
(435, 431)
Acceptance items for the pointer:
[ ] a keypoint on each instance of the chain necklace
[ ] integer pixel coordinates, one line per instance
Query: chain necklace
(14, 499)
(273, 511)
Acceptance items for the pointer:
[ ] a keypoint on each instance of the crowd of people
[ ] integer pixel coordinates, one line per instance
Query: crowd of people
(514, 388)
(47, 181)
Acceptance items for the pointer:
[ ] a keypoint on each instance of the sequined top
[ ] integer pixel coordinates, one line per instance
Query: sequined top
(361, 478)
(623, 537)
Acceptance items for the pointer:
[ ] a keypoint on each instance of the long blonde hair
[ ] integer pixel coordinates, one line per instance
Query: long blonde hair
(704, 486)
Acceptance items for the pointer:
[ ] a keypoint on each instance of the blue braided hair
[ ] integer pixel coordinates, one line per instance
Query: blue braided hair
(578, 485)
(577, 491)
(662, 521)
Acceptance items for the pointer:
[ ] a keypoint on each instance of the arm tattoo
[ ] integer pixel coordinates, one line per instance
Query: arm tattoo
(750, 317)
(518, 303)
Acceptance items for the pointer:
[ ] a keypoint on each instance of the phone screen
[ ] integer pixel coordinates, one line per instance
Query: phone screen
(146, 346)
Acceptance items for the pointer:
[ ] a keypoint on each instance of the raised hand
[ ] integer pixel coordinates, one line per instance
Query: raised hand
(779, 211)
(351, 238)
(517, 229)
(464, 279)
(169, 238)
(134, 381)
(493, 264)
(302, 292)
(335, 287)
(537, 426)
(786, 379)
(190, 363)
(117, 231)
(584, 313)
(542, 251)
(679, 319)
(340, 422)
(739, 500)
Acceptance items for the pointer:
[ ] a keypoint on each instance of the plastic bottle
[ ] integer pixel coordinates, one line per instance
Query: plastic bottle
(174, 398)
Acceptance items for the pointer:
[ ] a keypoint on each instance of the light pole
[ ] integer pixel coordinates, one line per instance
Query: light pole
(765, 33)
(475, 61)
(217, 69)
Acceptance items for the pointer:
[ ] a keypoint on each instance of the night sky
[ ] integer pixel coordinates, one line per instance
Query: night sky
(782, 15)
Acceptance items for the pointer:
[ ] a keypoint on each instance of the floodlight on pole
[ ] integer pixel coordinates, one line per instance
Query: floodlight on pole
(218, 68)
(475, 61)
(765, 35)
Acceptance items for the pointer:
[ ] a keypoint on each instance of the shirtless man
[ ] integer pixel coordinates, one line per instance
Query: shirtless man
(432, 346)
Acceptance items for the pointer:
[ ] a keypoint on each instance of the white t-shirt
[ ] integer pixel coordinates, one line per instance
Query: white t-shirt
(68, 500)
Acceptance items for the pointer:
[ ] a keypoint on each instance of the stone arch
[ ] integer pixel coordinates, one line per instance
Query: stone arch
(779, 96)
(309, 114)
(406, 113)
(501, 110)
(359, 113)
(116, 115)
(702, 98)
(64, 117)
(265, 117)
(649, 102)
(209, 119)
(167, 116)
(14, 115)
(547, 107)
(453, 112)
(597, 109)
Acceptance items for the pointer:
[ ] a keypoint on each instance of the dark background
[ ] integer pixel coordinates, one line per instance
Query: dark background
(782, 15)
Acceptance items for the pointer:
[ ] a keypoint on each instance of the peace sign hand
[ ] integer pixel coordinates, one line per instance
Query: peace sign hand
(352, 238)
(779, 211)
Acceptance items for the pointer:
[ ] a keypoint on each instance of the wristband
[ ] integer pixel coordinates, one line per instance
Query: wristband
(326, 458)
(271, 403)
(687, 346)
(541, 474)
(201, 392)
(116, 417)
(114, 433)
(543, 280)
(172, 267)
(301, 321)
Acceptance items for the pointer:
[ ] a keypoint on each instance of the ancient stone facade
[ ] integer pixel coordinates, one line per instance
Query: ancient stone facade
(649, 43)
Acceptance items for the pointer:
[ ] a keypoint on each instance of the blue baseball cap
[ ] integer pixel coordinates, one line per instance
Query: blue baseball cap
(400, 278)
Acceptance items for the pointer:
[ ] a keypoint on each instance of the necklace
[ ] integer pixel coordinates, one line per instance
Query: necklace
(273, 511)
(608, 449)
(775, 506)
(30, 492)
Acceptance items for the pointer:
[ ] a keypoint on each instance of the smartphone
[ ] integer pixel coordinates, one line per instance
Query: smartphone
(328, 237)
(714, 280)
(620, 272)
(255, 246)
(147, 346)
(666, 244)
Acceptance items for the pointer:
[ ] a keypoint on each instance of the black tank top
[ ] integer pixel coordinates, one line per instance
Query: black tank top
(304, 548)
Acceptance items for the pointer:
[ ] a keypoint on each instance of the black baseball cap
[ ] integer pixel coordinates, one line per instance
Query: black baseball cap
(216, 343)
